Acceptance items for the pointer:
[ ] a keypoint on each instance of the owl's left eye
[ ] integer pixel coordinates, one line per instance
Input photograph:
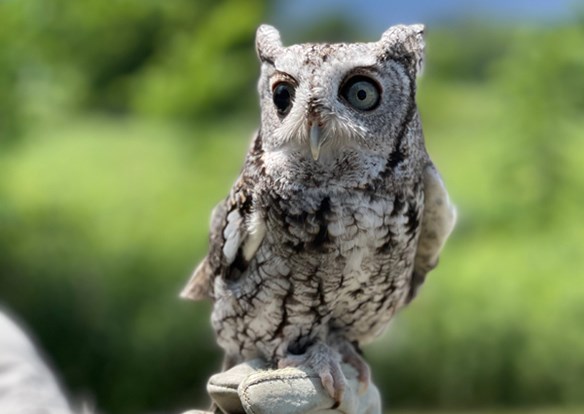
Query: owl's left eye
(283, 95)
(361, 93)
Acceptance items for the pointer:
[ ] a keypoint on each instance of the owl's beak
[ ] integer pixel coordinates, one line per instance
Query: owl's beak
(316, 140)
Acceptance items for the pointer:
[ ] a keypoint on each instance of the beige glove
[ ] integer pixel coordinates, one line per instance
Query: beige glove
(250, 388)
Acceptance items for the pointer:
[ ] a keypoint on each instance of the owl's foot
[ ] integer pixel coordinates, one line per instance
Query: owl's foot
(351, 356)
(326, 362)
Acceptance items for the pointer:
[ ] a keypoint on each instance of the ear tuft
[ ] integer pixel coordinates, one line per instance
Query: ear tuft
(405, 43)
(268, 43)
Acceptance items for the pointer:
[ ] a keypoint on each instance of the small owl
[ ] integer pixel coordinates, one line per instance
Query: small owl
(338, 213)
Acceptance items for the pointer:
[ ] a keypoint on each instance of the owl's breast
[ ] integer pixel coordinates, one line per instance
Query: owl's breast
(330, 261)
(334, 224)
(352, 251)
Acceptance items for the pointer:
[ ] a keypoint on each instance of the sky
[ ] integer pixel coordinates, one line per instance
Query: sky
(377, 15)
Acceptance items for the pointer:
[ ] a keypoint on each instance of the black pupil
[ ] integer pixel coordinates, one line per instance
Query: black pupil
(282, 97)
(361, 95)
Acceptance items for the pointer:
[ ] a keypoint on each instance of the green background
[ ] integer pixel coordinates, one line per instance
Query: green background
(122, 123)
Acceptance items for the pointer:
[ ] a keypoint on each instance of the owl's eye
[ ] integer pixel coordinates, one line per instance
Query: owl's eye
(361, 92)
(283, 95)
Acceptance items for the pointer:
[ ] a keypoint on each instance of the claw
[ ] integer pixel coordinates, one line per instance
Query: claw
(352, 357)
(325, 361)
(328, 383)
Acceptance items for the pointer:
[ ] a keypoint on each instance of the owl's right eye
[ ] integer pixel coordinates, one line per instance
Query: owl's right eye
(283, 96)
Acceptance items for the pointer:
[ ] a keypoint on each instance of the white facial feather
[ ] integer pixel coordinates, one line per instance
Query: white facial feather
(317, 75)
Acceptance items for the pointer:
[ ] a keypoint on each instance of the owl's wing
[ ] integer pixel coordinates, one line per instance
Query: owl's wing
(235, 235)
(200, 284)
(438, 221)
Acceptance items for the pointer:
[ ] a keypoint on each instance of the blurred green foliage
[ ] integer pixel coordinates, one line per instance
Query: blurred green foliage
(105, 194)
(175, 59)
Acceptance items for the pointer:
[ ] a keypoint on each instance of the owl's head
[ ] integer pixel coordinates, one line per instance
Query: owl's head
(323, 99)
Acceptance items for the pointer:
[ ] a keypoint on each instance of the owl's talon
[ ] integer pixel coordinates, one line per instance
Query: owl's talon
(326, 362)
(328, 383)
(363, 372)
(352, 357)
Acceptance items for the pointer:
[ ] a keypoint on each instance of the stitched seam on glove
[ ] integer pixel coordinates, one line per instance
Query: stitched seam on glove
(282, 378)
(247, 401)
(223, 387)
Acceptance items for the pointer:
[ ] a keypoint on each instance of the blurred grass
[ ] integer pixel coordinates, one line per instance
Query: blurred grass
(127, 177)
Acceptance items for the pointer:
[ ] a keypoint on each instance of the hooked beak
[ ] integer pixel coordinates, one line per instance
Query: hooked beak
(316, 140)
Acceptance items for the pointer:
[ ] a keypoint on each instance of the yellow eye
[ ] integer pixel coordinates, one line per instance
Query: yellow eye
(361, 93)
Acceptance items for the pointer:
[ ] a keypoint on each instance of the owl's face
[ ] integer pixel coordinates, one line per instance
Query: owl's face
(320, 100)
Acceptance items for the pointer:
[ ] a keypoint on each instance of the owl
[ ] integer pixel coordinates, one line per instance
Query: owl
(338, 213)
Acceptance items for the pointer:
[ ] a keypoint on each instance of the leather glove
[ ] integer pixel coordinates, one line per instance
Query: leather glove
(251, 388)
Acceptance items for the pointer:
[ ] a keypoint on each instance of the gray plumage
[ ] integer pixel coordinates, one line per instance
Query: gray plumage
(338, 213)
